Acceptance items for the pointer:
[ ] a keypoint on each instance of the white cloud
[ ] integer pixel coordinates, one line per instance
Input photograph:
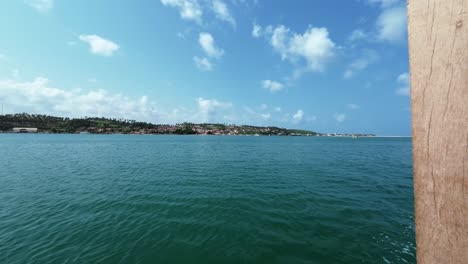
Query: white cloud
(256, 30)
(193, 10)
(203, 63)
(42, 6)
(206, 41)
(392, 24)
(188, 9)
(2, 56)
(353, 106)
(272, 86)
(208, 108)
(99, 45)
(278, 109)
(298, 116)
(41, 97)
(263, 106)
(404, 82)
(339, 117)
(222, 12)
(358, 34)
(38, 96)
(368, 57)
(314, 46)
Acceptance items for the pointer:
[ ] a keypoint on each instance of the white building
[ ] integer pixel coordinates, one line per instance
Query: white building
(25, 129)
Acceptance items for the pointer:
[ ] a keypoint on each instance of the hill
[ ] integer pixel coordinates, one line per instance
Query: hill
(101, 125)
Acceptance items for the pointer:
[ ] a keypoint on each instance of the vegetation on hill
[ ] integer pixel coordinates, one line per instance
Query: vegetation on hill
(100, 125)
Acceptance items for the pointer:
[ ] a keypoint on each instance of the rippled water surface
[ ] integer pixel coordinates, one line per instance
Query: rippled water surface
(205, 199)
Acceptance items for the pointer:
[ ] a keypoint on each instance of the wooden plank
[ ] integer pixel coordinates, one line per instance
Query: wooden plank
(438, 45)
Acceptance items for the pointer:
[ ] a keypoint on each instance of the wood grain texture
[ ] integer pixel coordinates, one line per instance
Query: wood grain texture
(438, 44)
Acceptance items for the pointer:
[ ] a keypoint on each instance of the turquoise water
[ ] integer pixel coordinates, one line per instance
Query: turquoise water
(205, 199)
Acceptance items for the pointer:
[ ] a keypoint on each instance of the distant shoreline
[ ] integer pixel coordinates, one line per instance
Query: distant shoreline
(240, 135)
(32, 123)
(154, 134)
(150, 134)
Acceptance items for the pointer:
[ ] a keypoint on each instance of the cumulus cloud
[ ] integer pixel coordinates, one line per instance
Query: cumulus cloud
(206, 41)
(392, 24)
(298, 116)
(272, 86)
(208, 108)
(339, 117)
(404, 83)
(99, 45)
(188, 9)
(314, 46)
(256, 30)
(41, 97)
(192, 10)
(367, 58)
(38, 96)
(42, 6)
(222, 12)
(203, 64)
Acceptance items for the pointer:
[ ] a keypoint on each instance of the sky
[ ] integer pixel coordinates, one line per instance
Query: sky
(335, 66)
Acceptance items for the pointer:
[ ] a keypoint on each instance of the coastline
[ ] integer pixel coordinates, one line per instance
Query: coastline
(32, 123)
(232, 135)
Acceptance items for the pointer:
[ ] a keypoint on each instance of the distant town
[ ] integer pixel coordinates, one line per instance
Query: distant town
(31, 123)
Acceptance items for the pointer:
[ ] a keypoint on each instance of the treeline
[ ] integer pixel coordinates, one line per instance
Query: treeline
(53, 124)
(67, 125)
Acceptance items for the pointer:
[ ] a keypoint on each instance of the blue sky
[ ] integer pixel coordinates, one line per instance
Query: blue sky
(329, 66)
